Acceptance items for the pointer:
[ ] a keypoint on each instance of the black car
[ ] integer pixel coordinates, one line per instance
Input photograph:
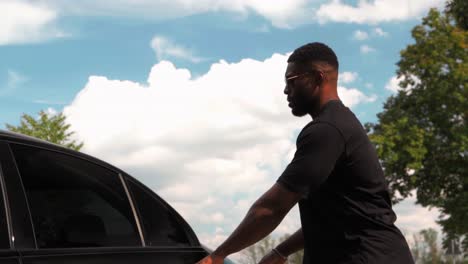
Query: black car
(61, 206)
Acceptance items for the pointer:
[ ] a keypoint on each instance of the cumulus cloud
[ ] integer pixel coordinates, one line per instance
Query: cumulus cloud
(376, 11)
(204, 144)
(347, 77)
(360, 35)
(25, 22)
(366, 49)
(412, 218)
(363, 35)
(355, 96)
(380, 32)
(166, 48)
(393, 84)
(50, 112)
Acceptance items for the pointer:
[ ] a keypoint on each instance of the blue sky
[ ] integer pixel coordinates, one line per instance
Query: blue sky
(54, 69)
(130, 73)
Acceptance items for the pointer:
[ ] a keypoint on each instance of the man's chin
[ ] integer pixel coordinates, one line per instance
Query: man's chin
(298, 113)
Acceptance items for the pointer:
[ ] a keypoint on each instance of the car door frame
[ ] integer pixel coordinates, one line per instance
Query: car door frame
(11, 254)
(24, 241)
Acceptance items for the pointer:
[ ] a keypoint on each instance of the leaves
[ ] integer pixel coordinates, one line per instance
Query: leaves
(52, 128)
(421, 136)
(459, 10)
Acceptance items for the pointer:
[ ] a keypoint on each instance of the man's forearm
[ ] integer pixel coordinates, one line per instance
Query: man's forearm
(294, 243)
(257, 224)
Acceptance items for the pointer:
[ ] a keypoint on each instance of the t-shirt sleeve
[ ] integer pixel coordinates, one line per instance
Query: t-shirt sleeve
(319, 146)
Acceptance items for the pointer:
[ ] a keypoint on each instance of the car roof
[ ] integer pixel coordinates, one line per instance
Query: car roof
(4, 134)
(21, 138)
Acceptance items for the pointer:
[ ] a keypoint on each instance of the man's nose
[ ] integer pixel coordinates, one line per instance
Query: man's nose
(286, 89)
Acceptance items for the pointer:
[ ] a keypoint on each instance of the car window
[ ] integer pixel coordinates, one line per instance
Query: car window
(160, 225)
(4, 237)
(73, 202)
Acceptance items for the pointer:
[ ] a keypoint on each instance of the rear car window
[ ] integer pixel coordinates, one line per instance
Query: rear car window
(161, 226)
(74, 202)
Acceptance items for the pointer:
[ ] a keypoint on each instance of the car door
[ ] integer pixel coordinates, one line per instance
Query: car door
(8, 255)
(163, 228)
(81, 212)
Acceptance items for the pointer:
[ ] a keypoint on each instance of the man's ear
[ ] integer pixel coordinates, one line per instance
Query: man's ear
(319, 78)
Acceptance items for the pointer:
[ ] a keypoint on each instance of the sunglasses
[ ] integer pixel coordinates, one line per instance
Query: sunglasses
(290, 80)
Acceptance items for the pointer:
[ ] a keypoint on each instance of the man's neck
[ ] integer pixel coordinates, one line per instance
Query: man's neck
(323, 102)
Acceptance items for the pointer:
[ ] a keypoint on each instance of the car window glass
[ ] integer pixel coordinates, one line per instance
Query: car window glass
(160, 225)
(73, 202)
(4, 237)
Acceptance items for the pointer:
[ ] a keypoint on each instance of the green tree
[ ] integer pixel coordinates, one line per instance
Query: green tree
(52, 128)
(421, 136)
(458, 9)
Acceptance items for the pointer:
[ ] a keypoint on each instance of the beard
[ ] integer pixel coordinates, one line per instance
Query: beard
(296, 111)
(304, 106)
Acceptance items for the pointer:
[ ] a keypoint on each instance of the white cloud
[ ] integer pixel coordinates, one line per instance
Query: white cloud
(51, 112)
(347, 77)
(25, 22)
(205, 144)
(376, 11)
(363, 35)
(354, 96)
(412, 218)
(14, 79)
(380, 32)
(366, 49)
(283, 13)
(360, 35)
(165, 49)
(393, 83)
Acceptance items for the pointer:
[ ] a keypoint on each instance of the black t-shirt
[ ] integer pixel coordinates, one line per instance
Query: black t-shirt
(346, 211)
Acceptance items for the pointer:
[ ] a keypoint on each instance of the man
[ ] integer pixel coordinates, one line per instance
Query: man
(335, 176)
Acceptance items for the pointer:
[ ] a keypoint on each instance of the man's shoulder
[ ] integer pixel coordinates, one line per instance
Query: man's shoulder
(341, 117)
(316, 130)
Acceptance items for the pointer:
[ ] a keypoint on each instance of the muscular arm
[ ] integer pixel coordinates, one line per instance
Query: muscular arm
(294, 243)
(318, 148)
(262, 218)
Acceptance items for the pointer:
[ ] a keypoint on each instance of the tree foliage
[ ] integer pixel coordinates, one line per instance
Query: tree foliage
(421, 136)
(458, 9)
(52, 128)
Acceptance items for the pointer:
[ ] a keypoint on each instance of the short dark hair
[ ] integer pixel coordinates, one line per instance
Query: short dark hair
(315, 51)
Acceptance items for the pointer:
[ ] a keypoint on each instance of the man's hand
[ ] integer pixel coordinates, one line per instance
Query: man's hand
(211, 259)
(272, 258)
